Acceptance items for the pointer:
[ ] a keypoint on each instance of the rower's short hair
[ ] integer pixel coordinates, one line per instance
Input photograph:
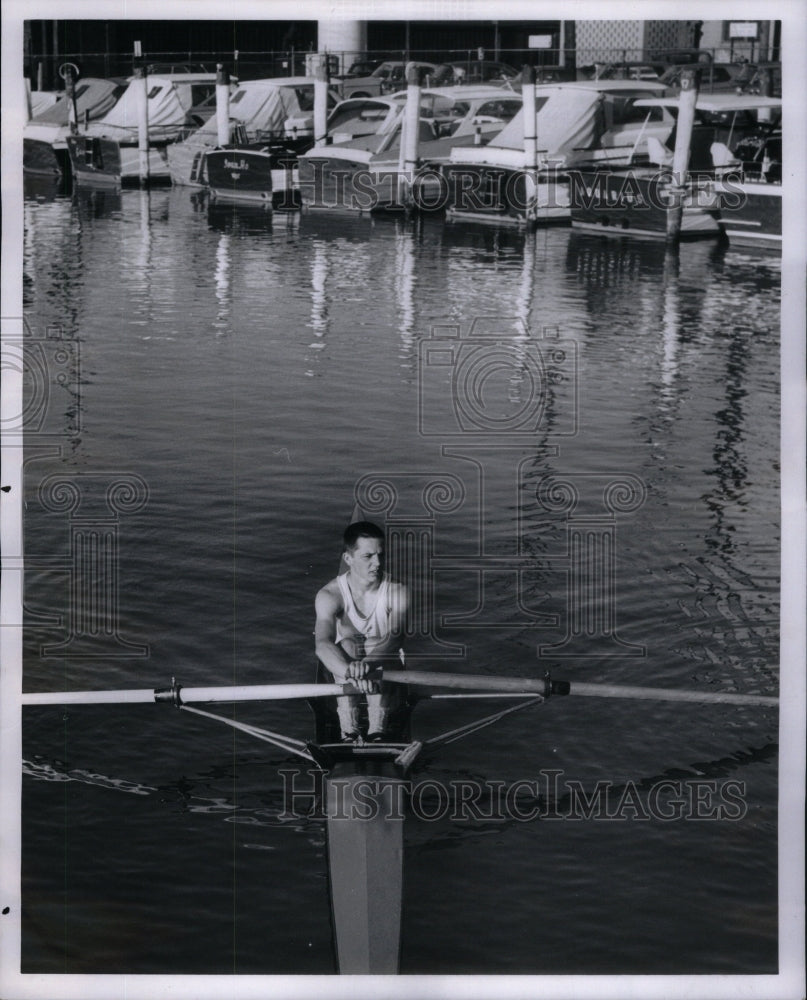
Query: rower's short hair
(361, 529)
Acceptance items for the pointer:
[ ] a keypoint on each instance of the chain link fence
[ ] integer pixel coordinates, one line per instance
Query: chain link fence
(42, 69)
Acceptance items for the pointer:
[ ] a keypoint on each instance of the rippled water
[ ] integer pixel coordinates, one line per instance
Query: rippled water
(244, 376)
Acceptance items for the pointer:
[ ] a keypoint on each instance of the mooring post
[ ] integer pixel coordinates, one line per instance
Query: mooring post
(70, 93)
(141, 95)
(222, 106)
(765, 90)
(690, 84)
(321, 103)
(410, 136)
(530, 137)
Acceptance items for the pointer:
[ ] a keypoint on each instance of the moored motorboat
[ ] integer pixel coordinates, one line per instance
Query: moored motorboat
(270, 124)
(362, 167)
(107, 152)
(750, 193)
(44, 137)
(505, 182)
(637, 198)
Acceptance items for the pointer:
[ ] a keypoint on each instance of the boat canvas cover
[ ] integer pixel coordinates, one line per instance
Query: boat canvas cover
(263, 105)
(94, 97)
(566, 119)
(41, 100)
(169, 100)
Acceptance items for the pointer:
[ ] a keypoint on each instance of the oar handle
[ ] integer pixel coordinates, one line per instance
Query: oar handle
(178, 695)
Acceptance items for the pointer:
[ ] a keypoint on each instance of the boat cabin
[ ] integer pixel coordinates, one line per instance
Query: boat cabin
(729, 129)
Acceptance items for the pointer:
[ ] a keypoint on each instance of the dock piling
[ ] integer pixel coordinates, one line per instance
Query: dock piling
(530, 135)
(321, 103)
(70, 93)
(141, 92)
(690, 84)
(222, 105)
(410, 135)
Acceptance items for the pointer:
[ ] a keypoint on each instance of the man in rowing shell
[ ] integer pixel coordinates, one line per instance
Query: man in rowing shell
(360, 621)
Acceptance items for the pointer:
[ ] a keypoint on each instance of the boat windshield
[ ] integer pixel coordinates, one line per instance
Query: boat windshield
(360, 113)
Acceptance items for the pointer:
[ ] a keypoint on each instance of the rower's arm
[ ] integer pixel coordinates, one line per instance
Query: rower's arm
(328, 653)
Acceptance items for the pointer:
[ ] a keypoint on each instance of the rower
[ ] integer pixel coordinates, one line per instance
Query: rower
(360, 623)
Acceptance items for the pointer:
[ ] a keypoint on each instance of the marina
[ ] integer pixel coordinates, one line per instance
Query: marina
(432, 272)
(462, 299)
(645, 153)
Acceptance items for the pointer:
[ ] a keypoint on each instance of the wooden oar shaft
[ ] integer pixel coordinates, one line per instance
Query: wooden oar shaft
(540, 685)
(247, 692)
(467, 682)
(667, 694)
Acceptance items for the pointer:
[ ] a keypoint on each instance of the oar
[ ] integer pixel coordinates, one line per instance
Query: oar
(547, 687)
(467, 682)
(180, 695)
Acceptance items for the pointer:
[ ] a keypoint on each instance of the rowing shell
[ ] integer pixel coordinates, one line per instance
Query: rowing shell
(363, 797)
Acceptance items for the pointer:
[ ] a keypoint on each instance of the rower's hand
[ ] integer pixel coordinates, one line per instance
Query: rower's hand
(358, 674)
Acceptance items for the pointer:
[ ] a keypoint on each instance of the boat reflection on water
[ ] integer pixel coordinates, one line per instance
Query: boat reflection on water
(43, 188)
(228, 217)
(97, 203)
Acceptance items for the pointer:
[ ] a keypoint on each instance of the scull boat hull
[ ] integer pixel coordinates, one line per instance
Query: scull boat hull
(363, 799)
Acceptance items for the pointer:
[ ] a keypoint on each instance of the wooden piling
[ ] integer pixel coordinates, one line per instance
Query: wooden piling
(321, 103)
(70, 94)
(690, 84)
(410, 136)
(141, 93)
(765, 90)
(222, 106)
(529, 113)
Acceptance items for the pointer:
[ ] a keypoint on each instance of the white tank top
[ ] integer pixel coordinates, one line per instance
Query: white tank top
(375, 626)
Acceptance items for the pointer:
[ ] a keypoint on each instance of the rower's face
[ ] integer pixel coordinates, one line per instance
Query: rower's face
(366, 561)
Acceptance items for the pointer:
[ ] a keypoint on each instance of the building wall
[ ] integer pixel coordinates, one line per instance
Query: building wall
(605, 41)
(668, 34)
(716, 38)
(598, 41)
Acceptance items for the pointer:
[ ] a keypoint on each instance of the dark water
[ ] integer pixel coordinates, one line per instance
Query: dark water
(243, 377)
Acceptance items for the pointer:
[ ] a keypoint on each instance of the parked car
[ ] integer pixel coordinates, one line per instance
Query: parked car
(453, 74)
(679, 57)
(361, 67)
(755, 83)
(555, 74)
(628, 71)
(385, 79)
(714, 76)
